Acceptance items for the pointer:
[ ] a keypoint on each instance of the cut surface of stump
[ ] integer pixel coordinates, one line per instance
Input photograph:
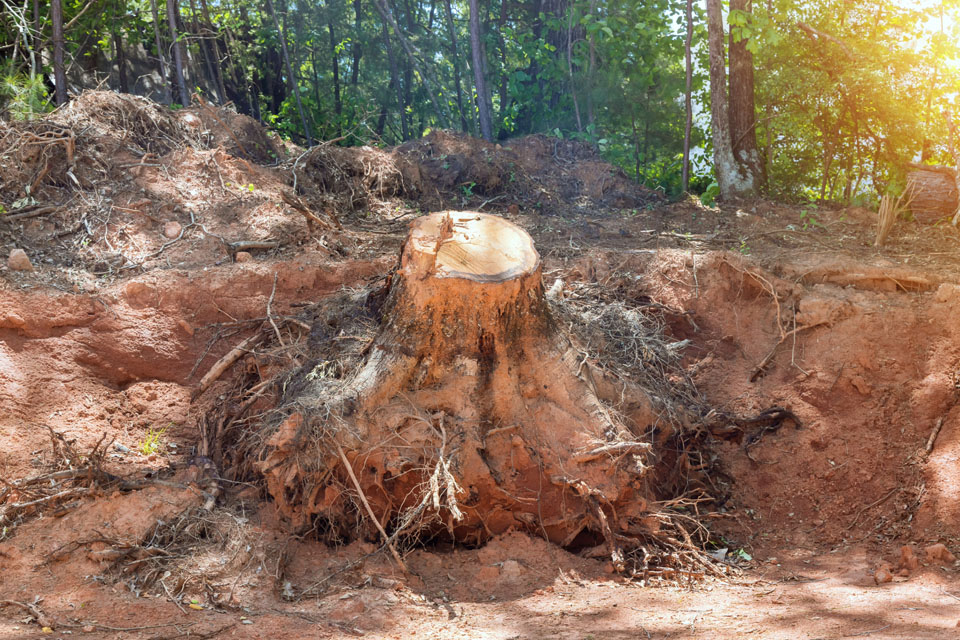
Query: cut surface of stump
(472, 413)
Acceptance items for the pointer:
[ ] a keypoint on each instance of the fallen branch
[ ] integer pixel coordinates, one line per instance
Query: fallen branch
(616, 448)
(298, 205)
(225, 362)
(932, 440)
(31, 214)
(33, 610)
(759, 370)
(244, 245)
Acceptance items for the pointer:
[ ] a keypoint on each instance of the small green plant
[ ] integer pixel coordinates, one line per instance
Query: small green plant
(23, 97)
(744, 248)
(467, 189)
(152, 442)
(807, 218)
(709, 197)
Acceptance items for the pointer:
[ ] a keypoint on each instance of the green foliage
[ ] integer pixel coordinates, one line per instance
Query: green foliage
(152, 442)
(848, 106)
(841, 107)
(22, 97)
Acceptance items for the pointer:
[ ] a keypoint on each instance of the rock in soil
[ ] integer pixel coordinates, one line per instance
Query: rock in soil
(938, 553)
(172, 229)
(884, 574)
(18, 261)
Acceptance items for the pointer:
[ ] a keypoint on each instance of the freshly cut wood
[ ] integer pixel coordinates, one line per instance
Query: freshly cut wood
(934, 191)
(472, 414)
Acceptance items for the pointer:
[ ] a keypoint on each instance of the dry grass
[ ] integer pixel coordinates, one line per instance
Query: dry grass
(890, 210)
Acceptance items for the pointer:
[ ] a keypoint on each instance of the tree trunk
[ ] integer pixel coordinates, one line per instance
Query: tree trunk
(732, 179)
(743, 123)
(291, 79)
(451, 26)
(173, 12)
(504, 77)
(687, 99)
(59, 72)
(395, 81)
(484, 106)
(121, 60)
(357, 50)
(412, 52)
(214, 47)
(573, 84)
(335, 62)
(164, 77)
(37, 37)
(471, 403)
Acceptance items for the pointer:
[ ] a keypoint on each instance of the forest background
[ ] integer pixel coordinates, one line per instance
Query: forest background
(825, 101)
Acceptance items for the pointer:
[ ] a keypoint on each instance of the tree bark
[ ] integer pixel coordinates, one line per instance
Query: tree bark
(732, 179)
(121, 60)
(687, 99)
(214, 45)
(291, 78)
(173, 12)
(743, 133)
(164, 77)
(59, 72)
(335, 62)
(484, 107)
(395, 81)
(357, 37)
(452, 28)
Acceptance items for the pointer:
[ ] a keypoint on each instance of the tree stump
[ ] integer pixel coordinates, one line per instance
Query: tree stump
(472, 413)
(932, 192)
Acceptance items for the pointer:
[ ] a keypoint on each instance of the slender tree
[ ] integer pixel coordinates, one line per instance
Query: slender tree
(59, 72)
(291, 79)
(455, 56)
(383, 8)
(164, 78)
(173, 10)
(688, 103)
(733, 179)
(743, 122)
(37, 37)
(210, 37)
(395, 83)
(335, 60)
(357, 48)
(484, 106)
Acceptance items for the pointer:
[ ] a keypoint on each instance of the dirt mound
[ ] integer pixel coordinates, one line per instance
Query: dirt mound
(447, 170)
(113, 185)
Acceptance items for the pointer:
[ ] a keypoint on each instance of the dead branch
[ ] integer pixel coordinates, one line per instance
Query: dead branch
(226, 361)
(759, 370)
(33, 610)
(615, 448)
(298, 205)
(932, 440)
(363, 499)
(244, 245)
(816, 36)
